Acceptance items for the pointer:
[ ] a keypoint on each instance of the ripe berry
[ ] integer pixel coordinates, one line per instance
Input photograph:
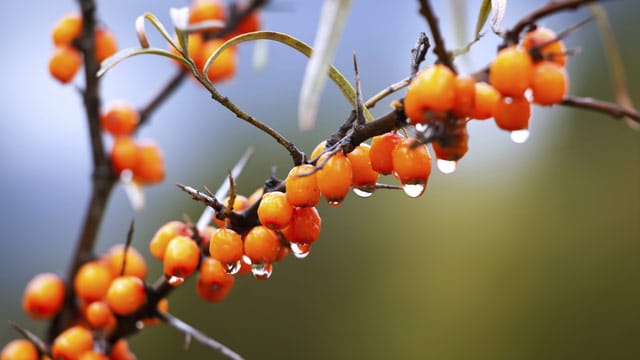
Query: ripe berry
(224, 66)
(485, 101)
(93, 355)
(19, 349)
(194, 44)
(124, 154)
(126, 294)
(465, 96)
(105, 44)
(43, 296)
(203, 10)
(554, 51)
(412, 163)
(164, 234)
(65, 63)
(120, 119)
(455, 145)
(512, 114)
(255, 196)
(335, 176)
(274, 210)
(121, 351)
(213, 283)
(304, 227)
(261, 245)
(181, 257)
(72, 343)
(149, 167)
(92, 281)
(302, 186)
(364, 177)
(240, 203)
(510, 72)
(135, 265)
(432, 89)
(249, 23)
(226, 246)
(380, 152)
(98, 314)
(549, 84)
(67, 29)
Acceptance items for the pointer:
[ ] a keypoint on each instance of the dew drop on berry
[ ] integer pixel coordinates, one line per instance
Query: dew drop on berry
(334, 203)
(414, 190)
(246, 259)
(233, 268)
(175, 280)
(519, 136)
(262, 271)
(421, 127)
(300, 251)
(362, 192)
(139, 324)
(446, 166)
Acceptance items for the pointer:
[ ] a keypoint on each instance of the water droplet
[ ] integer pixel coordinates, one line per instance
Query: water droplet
(139, 324)
(300, 250)
(233, 268)
(334, 202)
(421, 127)
(414, 190)
(261, 271)
(175, 280)
(246, 259)
(519, 136)
(446, 166)
(363, 192)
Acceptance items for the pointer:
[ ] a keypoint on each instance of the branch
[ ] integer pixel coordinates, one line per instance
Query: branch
(432, 20)
(612, 109)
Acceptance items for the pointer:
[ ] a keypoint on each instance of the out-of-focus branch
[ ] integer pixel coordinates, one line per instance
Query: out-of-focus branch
(612, 109)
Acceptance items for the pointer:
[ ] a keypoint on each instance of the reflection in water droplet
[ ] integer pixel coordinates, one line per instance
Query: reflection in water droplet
(139, 325)
(334, 202)
(362, 192)
(300, 250)
(519, 136)
(414, 189)
(421, 127)
(261, 271)
(446, 166)
(175, 280)
(233, 268)
(246, 259)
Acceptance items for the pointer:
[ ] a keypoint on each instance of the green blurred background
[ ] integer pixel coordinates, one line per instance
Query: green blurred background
(528, 251)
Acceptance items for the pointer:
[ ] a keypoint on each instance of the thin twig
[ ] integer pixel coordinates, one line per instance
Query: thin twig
(419, 53)
(612, 109)
(33, 338)
(359, 111)
(434, 25)
(386, 92)
(127, 245)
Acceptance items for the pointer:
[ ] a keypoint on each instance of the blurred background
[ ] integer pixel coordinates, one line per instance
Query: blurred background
(527, 251)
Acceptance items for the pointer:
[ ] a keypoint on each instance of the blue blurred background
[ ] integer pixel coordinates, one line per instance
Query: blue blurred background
(528, 251)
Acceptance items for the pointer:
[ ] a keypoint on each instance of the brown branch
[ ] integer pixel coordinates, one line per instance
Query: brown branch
(434, 25)
(418, 53)
(612, 109)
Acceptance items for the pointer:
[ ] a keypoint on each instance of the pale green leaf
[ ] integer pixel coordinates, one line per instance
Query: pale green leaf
(115, 59)
(498, 9)
(483, 15)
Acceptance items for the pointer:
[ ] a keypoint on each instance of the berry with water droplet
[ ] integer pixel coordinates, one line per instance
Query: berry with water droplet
(302, 186)
(274, 210)
(412, 165)
(380, 152)
(261, 245)
(225, 245)
(304, 227)
(364, 178)
(334, 178)
(512, 113)
(432, 89)
(214, 283)
(181, 257)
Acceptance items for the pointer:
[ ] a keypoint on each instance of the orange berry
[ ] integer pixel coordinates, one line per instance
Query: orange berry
(67, 29)
(302, 189)
(121, 351)
(304, 227)
(72, 343)
(363, 175)
(150, 165)
(213, 283)
(411, 162)
(93, 355)
(194, 47)
(203, 10)
(554, 51)
(135, 266)
(164, 234)
(43, 296)
(317, 151)
(261, 245)
(465, 96)
(274, 210)
(485, 102)
(119, 119)
(380, 152)
(512, 113)
(225, 246)
(224, 66)
(105, 44)
(126, 295)
(334, 178)
(240, 203)
(549, 84)
(181, 257)
(455, 146)
(255, 196)
(65, 63)
(432, 89)
(19, 349)
(98, 314)
(510, 72)
(92, 281)
(124, 154)
(250, 23)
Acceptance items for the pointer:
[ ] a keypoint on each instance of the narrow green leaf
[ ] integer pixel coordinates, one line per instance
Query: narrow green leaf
(483, 15)
(158, 25)
(498, 9)
(115, 59)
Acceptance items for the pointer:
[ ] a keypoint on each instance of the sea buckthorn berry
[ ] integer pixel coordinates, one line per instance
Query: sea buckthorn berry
(67, 29)
(412, 163)
(302, 186)
(92, 280)
(181, 257)
(485, 101)
(274, 210)
(549, 84)
(255, 196)
(203, 10)
(72, 343)
(363, 175)
(465, 96)
(512, 114)
(249, 23)
(317, 151)
(93, 355)
(380, 152)
(261, 245)
(240, 203)
(194, 47)
(455, 146)
(554, 51)
(214, 283)
(126, 294)
(43, 296)
(205, 236)
(511, 70)
(135, 266)
(335, 176)
(164, 234)
(119, 119)
(98, 314)
(121, 351)
(105, 44)
(124, 154)
(224, 65)
(149, 167)
(432, 89)
(19, 349)
(65, 63)
(304, 227)
(225, 246)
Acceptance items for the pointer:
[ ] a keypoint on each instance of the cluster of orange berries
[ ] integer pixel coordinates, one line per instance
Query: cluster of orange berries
(67, 59)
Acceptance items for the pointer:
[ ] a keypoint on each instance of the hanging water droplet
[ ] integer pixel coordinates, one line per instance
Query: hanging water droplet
(233, 268)
(261, 271)
(139, 324)
(334, 202)
(175, 280)
(420, 127)
(414, 189)
(519, 136)
(362, 192)
(446, 166)
(246, 259)
(300, 250)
